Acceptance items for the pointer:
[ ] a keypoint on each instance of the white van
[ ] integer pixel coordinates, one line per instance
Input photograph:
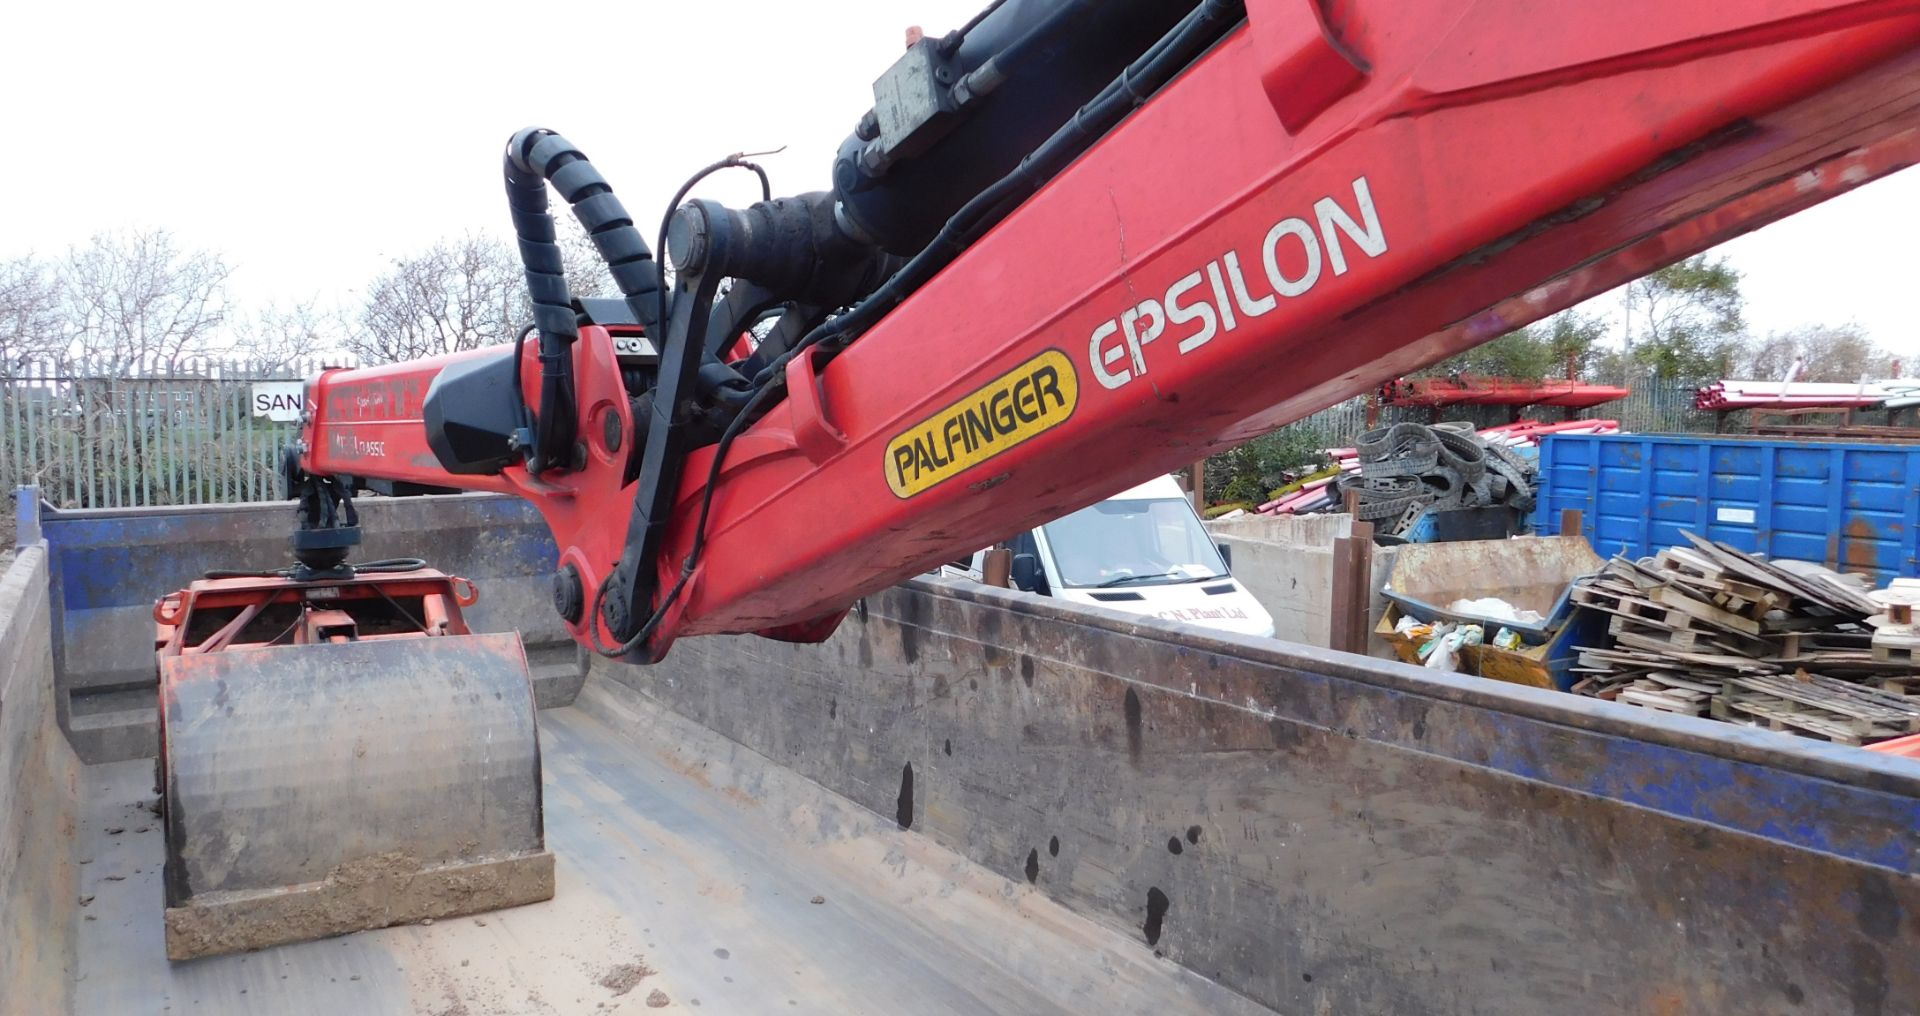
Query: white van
(1142, 551)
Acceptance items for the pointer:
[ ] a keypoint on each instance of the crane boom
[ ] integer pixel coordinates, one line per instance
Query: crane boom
(1330, 193)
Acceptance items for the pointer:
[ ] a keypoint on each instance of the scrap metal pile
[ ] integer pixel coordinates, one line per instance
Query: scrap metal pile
(1325, 490)
(1409, 468)
(1792, 646)
(1727, 395)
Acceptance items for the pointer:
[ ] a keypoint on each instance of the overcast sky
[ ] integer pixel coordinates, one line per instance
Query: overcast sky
(310, 144)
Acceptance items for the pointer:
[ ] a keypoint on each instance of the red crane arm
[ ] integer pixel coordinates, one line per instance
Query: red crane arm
(1336, 194)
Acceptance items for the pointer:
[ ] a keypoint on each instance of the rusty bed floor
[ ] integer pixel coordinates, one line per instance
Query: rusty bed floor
(678, 891)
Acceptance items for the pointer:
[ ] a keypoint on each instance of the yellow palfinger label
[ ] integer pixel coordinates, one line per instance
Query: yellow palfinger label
(1030, 399)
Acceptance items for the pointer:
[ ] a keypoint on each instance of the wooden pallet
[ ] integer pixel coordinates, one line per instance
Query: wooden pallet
(1674, 609)
(1707, 625)
(1661, 616)
(1897, 654)
(1832, 641)
(1837, 662)
(1599, 658)
(1820, 706)
(1748, 600)
(1724, 604)
(1650, 695)
(1833, 596)
(1603, 673)
(1598, 595)
(1783, 717)
(1690, 564)
(1707, 685)
(1651, 638)
(1646, 636)
(1680, 601)
(1897, 645)
(1899, 684)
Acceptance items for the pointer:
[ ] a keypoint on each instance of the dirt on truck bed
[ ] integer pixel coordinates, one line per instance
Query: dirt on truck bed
(681, 887)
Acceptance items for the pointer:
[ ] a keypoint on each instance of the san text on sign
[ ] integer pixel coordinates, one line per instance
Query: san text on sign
(281, 401)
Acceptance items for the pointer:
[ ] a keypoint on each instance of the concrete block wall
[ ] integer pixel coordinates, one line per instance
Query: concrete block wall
(1286, 562)
(39, 803)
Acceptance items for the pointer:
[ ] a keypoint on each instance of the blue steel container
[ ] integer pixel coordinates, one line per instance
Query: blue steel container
(1852, 507)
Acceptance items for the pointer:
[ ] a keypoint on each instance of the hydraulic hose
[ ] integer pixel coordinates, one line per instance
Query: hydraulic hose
(1160, 64)
(1165, 59)
(534, 158)
(1045, 37)
(382, 566)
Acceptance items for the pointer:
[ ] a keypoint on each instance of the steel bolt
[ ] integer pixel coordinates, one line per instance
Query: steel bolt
(610, 430)
(569, 600)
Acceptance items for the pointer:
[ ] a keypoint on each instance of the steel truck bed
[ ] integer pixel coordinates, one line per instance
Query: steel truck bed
(1002, 803)
(678, 889)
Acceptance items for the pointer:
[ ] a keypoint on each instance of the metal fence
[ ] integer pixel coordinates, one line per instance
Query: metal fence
(1655, 406)
(184, 435)
(189, 435)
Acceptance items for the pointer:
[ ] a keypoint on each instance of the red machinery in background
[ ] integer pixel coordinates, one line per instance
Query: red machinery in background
(1074, 245)
(1493, 391)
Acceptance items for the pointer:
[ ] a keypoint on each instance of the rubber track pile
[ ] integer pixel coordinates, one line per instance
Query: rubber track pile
(1410, 468)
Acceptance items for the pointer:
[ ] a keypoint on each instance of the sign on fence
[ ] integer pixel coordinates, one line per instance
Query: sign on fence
(280, 401)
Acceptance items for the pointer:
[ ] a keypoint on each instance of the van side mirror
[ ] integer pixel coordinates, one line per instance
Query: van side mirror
(1027, 574)
(1226, 554)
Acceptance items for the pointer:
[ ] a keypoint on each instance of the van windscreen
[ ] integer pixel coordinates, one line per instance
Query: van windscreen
(1133, 541)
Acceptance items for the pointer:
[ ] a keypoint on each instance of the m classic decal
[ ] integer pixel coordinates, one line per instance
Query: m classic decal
(1030, 399)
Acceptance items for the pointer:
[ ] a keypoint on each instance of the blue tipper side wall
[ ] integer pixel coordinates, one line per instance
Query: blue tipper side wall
(1854, 507)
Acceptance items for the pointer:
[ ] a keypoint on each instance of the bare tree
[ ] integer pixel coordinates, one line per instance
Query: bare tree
(122, 306)
(1829, 353)
(137, 302)
(29, 313)
(278, 335)
(461, 294)
(458, 294)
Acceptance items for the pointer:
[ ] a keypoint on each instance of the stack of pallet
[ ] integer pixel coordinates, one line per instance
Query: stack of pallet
(1896, 637)
(1708, 630)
